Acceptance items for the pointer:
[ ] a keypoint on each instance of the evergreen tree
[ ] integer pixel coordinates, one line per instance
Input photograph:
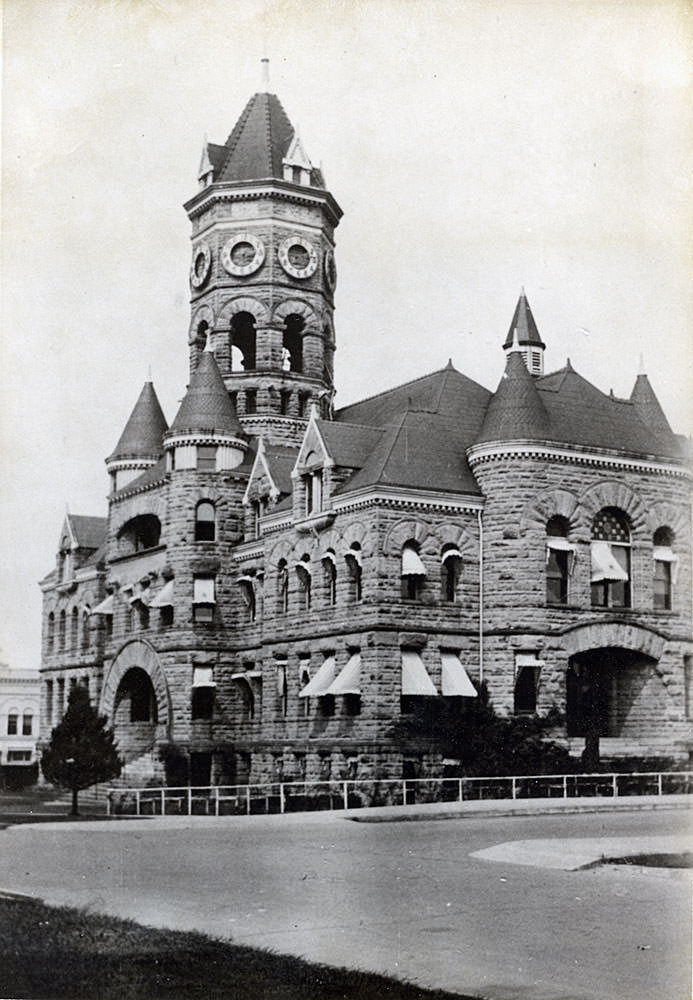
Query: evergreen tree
(82, 750)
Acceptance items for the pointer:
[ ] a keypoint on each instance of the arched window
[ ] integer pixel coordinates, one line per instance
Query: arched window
(242, 342)
(61, 630)
(303, 573)
(560, 554)
(51, 632)
(282, 586)
(413, 571)
(329, 565)
(205, 526)
(139, 533)
(312, 485)
(450, 572)
(304, 677)
(355, 570)
(85, 628)
(74, 629)
(665, 567)
(610, 554)
(292, 346)
(201, 335)
(248, 597)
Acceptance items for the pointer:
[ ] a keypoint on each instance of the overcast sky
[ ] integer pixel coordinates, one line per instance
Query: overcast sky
(474, 148)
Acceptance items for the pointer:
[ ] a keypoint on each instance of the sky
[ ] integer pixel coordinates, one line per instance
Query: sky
(474, 147)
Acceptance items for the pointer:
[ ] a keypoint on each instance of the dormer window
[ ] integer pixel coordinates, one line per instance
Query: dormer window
(312, 482)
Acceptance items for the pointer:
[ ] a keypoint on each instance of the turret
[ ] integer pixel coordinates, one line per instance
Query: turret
(206, 433)
(141, 443)
(515, 412)
(523, 330)
(263, 274)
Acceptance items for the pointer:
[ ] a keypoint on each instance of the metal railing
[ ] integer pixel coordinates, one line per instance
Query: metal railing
(307, 796)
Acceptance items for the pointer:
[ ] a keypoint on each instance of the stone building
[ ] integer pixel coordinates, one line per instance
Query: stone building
(277, 582)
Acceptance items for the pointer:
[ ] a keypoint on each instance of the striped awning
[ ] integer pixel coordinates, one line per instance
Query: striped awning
(415, 679)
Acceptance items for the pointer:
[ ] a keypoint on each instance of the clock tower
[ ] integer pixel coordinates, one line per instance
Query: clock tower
(263, 276)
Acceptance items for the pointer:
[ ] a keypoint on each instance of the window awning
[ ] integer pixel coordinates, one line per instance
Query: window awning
(164, 597)
(203, 677)
(663, 553)
(559, 544)
(319, 684)
(142, 595)
(454, 680)
(411, 563)
(349, 680)
(450, 553)
(329, 557)
(355, 555)
(604, 563)
(106, 606)
(300, 564)
(415, 679)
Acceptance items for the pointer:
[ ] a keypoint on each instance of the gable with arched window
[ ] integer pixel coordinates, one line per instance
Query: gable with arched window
(610, 559)
(205, 521)
(665, 568)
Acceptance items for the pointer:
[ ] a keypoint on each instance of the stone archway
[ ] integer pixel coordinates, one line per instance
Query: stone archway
(135, 698)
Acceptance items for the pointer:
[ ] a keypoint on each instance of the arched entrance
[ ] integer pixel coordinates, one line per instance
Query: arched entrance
(135, 698)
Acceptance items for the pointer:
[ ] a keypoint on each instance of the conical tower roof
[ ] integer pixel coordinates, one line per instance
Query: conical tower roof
(515, 411)
(206, 406)
(257, 146)
(523, 322)
(143, 434)
(648, 406)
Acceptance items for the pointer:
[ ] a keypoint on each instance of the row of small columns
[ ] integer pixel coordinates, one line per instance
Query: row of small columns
(318, 354)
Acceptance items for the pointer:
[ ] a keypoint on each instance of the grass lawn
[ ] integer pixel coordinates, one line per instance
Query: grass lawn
(48, 952)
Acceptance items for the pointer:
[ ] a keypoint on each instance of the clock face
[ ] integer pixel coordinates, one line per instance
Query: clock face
(243, 254)
(201, 263)
(298, 257)
(330, 270)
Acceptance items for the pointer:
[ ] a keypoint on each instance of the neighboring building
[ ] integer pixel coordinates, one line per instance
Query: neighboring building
(19, 726)
(277, 582)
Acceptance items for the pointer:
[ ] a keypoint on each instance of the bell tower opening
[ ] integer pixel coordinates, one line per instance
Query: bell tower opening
(242, 342)
(292, 344)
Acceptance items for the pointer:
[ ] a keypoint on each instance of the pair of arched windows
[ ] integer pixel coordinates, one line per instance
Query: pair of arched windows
(414, 572)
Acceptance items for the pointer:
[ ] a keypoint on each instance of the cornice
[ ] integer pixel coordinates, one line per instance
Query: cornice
(125, 492)
(198, 437)
(401, 497)
(264, 188)
(482, 454)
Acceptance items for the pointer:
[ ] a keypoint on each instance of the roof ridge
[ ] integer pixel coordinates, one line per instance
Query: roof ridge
(394, 430)
(236, 132)
(401, 385)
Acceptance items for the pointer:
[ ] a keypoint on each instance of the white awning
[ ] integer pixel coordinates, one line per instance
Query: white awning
(604, 563)
(355, 555)
(143, 596)
(106, 606)
(203, 677)
(349, 680)
(319, 684)
(559, 544)
(664, 554)
(304, 566)
(415, 679)
(329, 557)
(411, 563)
(449, 553)
(164, 597)
(454, 678)
(527, 660)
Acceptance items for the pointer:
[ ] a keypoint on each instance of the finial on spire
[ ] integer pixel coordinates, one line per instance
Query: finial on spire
(264, 77)
(641, 365)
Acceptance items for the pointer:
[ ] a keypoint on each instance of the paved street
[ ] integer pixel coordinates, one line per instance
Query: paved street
(403, 898)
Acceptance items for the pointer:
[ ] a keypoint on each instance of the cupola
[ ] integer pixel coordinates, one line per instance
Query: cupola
(141, 443)
(523, 330)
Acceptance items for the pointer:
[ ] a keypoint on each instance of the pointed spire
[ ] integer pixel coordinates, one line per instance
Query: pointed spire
(523, 323)
(206, 407)
(515, 411)
(264, 76)
(649, 408)
(142, 437)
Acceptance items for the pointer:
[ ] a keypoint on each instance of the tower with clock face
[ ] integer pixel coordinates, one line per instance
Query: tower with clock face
(263, 275)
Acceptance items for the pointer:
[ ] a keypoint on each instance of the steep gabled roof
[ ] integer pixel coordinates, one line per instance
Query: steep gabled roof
(349, 445)
(523, 322)
(280, 462)
(88, 532)
(206, 406)
(257, 145)
(144, 431)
